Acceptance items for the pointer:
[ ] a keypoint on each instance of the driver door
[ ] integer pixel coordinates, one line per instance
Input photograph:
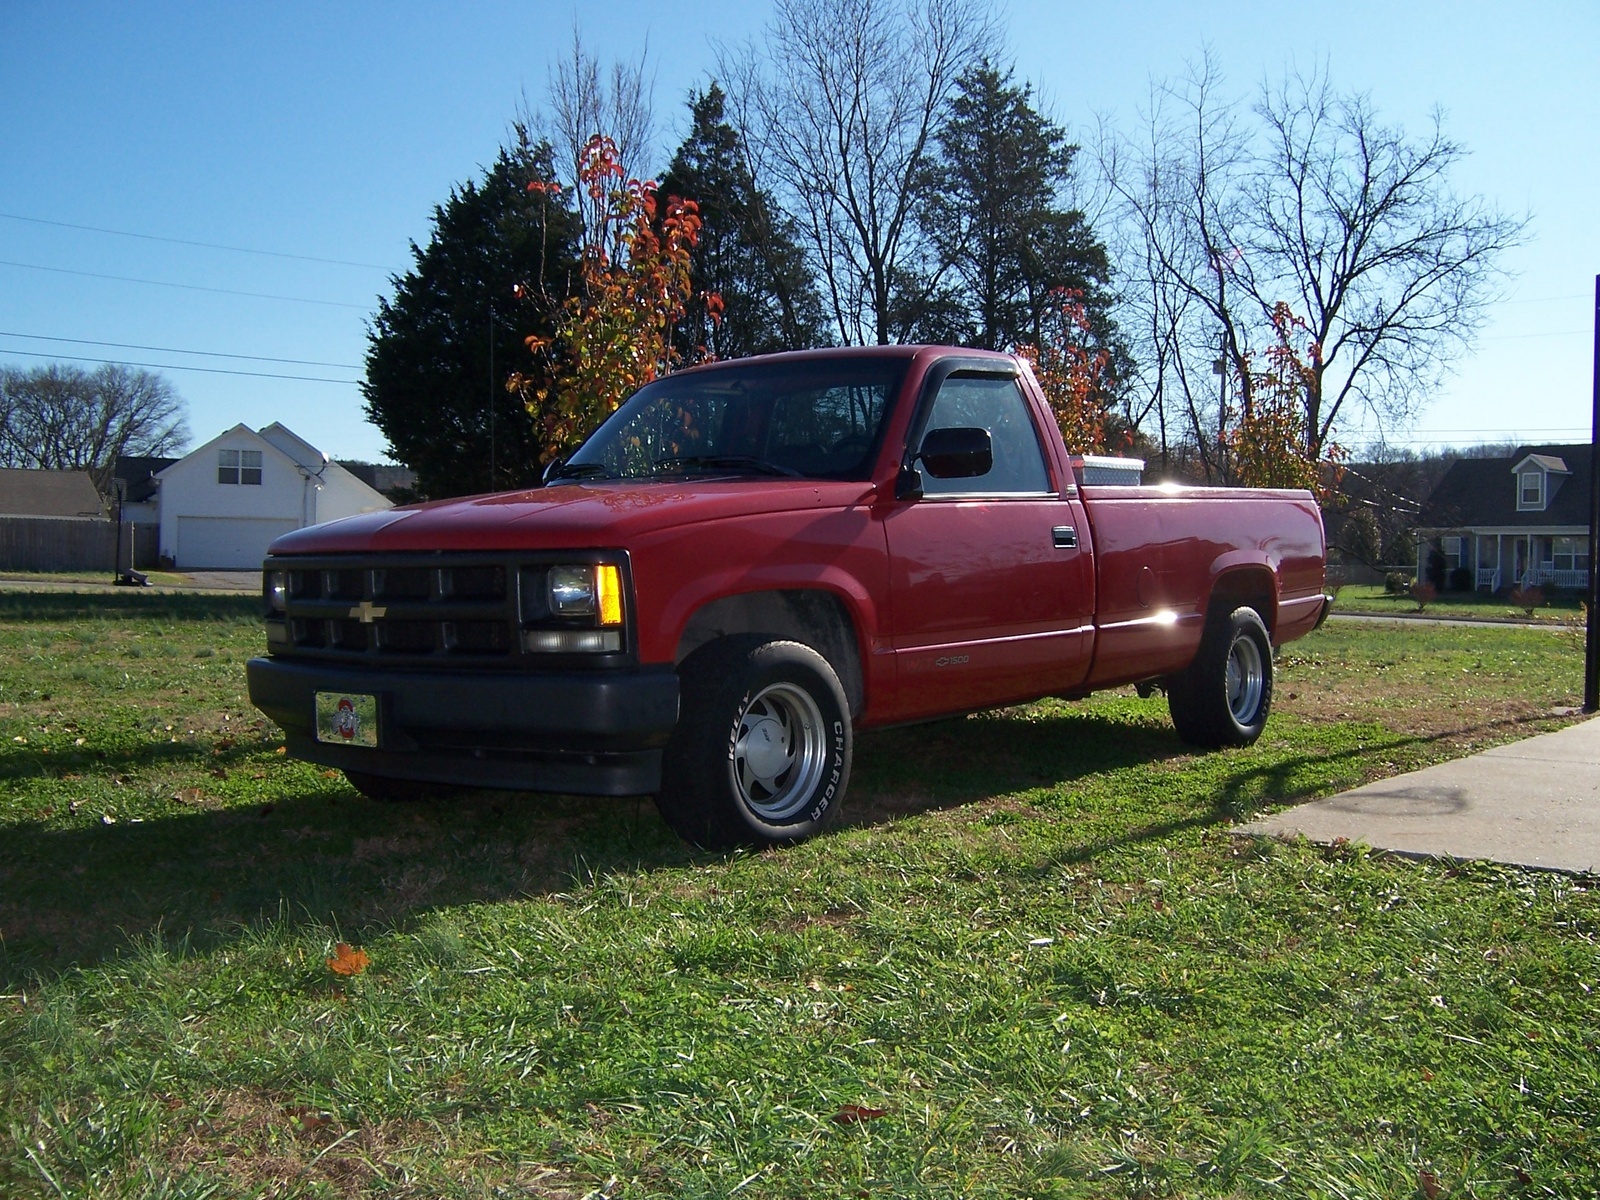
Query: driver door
(991, 593)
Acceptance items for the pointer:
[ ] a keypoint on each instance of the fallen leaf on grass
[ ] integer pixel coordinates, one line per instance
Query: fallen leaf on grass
(330, 774)
(307, 1120)
(347, 960)
(854, 1114)
(191, 795)
(281, 750)
(1429, 1184)
(222, 744)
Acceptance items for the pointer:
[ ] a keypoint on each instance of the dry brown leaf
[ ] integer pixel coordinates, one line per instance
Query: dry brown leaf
(347, 960)
(854, 1114)
(1429, 1184)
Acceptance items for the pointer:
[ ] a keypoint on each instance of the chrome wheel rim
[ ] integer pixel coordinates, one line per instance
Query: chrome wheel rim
(1246, 680)
(779, 752)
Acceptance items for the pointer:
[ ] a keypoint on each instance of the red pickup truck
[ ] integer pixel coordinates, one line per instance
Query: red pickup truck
(749, 560)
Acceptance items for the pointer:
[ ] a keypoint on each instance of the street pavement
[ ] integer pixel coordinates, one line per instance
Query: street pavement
(1533, 803)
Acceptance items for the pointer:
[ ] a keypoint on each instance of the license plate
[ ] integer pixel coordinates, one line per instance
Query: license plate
(347, 719)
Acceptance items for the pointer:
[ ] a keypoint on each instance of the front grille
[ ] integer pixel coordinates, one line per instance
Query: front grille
(399, 610)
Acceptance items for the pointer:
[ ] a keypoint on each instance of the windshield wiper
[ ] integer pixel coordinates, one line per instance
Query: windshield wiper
(724, 462)
(572, 470)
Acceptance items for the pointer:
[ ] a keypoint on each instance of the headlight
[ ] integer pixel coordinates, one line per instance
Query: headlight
(275, 590)
(587, 591)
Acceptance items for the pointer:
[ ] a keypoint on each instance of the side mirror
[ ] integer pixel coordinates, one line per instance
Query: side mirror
(957, 453)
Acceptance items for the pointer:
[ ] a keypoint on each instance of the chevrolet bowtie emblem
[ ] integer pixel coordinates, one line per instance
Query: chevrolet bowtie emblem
(367, 612)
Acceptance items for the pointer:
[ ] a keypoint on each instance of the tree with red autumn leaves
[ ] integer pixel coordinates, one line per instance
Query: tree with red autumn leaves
(1075, 374)
(613, 335)
(1270, 446)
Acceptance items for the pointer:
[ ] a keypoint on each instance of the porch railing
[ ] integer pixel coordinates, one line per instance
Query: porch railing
(1543, 574)
(1489, 579)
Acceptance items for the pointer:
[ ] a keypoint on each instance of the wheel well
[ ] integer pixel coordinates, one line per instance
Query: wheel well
(1249, 586)
(812, 617)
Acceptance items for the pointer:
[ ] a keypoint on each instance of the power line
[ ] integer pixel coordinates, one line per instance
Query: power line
(191, 287)
(299, 362)
(150, 237)
(117, 362)
(1504, 337)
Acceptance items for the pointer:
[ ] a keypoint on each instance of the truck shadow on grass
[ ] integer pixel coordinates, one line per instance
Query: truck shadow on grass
(327, 858)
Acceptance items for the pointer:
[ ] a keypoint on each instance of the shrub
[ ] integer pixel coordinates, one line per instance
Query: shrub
(1423, 594)
(1527, 599)
(1461, 579)
(1397, 583)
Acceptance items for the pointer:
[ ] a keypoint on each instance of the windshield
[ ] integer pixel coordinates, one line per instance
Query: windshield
(811, 419)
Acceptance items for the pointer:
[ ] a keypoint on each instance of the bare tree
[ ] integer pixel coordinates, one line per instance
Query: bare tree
(839, 108)
(586, 102)
(1306, 199)
(1180, 184)
(1356, 226)
(65, 418)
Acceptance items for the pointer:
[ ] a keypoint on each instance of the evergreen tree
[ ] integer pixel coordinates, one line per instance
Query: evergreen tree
(496, 268)
(748, 253)
(994, 215)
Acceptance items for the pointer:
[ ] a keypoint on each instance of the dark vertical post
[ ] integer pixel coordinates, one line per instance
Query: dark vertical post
(116, 556)
(491, 398)
(1591, 655)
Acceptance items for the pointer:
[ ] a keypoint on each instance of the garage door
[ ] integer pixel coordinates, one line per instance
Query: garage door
(222, 543)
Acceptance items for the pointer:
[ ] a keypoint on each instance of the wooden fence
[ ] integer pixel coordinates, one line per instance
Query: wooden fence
(74, 544)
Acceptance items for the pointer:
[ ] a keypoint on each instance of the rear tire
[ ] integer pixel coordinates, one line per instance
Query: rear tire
(761, 755)
(1225, 695)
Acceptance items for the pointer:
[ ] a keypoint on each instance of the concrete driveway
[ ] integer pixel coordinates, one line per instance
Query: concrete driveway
(1533, 803)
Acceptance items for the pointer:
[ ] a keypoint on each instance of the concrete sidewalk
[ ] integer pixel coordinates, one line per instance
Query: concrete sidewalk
(1533, 803)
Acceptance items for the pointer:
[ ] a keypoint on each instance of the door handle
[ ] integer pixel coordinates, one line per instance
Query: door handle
(1065, 537)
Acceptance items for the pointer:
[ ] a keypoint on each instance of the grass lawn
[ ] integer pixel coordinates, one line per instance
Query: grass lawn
(1032, 963)
(1371, 598)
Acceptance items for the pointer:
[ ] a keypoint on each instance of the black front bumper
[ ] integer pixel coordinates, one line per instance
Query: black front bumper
(587, 733)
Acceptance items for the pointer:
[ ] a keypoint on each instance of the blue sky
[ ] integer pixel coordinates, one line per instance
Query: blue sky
(330, 131)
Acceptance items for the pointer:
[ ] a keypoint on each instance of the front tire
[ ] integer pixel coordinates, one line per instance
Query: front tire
(1225, 695)
(761, 755)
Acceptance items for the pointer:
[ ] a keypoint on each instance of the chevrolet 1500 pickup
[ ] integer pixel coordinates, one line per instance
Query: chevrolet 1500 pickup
(750, 560)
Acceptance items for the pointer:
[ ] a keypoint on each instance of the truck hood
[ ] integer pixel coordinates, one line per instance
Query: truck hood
(572, 516)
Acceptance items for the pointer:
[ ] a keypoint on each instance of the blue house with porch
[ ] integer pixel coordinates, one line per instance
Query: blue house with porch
(1497, 523)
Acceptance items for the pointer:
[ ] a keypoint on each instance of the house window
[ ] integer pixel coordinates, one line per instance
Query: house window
(1571, 554)
(239, 466)
(1452, 551)
(1530, 491)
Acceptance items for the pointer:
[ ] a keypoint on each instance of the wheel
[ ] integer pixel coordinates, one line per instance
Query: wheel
(1225, 695)
(388, 790)
(761, 754)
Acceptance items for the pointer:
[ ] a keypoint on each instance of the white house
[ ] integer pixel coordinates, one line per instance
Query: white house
(221, 505)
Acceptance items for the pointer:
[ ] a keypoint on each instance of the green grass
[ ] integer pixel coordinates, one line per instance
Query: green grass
(1371, 598)
(1033, 945)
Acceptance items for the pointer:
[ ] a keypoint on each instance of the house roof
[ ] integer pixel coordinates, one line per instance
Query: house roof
(25, 493)
(1480, 492)
(1548, 461)
(275, 440)
(381, 477)
(137, 474)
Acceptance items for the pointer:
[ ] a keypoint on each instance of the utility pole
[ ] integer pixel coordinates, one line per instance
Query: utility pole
(1591, 651)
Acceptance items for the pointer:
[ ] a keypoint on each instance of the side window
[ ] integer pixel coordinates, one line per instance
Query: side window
(975, 401)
